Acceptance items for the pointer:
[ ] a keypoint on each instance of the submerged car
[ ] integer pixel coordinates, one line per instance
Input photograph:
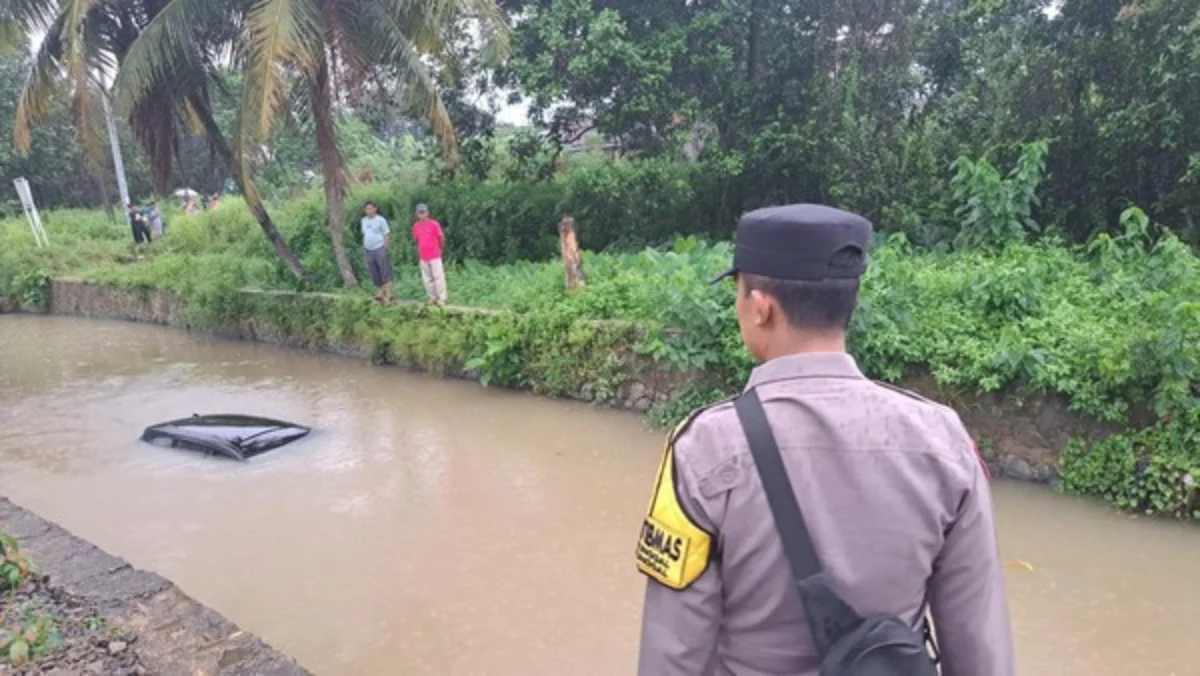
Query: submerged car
(233, 436)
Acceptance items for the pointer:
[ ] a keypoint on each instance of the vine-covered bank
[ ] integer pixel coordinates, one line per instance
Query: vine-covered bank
(1111, 329)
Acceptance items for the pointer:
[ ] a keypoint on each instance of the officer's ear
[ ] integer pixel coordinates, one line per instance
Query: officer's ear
(763, 308)
(759, 306)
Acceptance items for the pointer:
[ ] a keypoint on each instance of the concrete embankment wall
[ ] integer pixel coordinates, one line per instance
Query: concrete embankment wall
(406, 334)
(1020, 434)
(175, 634)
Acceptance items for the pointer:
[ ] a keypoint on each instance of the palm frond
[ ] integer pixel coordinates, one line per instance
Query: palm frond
(424, 21)
(166, 43)
(153, 121)
(77, 61)
(394, 34)
(13, 39)
(494, 31)
(39, 87)
(33, 16)
(277, 32)
(175, 105)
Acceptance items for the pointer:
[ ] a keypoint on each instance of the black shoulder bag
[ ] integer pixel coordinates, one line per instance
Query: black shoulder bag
(847, 645)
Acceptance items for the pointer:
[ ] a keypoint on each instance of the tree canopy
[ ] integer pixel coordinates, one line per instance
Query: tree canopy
(867, 103)
(861, 103)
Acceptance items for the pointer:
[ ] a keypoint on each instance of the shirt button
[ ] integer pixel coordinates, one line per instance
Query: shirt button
(728, 474)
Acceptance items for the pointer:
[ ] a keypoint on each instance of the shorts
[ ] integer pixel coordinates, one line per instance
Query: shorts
(379, 265)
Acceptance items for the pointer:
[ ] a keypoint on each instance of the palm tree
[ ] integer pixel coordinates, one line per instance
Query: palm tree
(87, 39)
(325, 46)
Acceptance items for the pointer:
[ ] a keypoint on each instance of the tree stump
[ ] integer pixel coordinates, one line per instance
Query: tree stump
(572, 262)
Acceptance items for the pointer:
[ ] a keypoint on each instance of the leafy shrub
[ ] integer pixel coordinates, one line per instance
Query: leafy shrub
(32, 289)
(995, 209)
(15, 567)
(22, 635)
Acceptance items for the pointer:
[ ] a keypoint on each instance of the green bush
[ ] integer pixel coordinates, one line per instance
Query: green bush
(617, 206)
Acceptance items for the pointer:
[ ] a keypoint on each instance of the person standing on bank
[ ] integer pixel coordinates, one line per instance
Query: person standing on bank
(137, 222)
(856, 499)
(427, 233)
(377, 242)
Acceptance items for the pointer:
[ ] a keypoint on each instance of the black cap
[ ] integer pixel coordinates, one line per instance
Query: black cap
(801, 241)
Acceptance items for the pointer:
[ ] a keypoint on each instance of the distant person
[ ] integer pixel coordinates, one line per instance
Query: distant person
(214, 201)
(155, 220)
(137, 222)
(190, 207)
(427, 233)
(377, 241)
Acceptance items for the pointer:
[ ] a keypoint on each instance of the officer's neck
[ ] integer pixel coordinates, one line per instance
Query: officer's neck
(788, 343)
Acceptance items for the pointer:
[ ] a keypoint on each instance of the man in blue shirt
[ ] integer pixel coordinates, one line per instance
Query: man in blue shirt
(376, 242)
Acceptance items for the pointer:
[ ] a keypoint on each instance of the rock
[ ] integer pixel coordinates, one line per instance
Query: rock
(1016, 468)
(643, 404)
(662, 397)
(587, 392)
(117, 647)
(637, 391)
(96, 667)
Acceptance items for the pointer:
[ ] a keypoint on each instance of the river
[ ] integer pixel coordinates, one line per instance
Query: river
(437, 527)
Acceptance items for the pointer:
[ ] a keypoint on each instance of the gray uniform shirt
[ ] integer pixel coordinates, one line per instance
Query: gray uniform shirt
(896, 501)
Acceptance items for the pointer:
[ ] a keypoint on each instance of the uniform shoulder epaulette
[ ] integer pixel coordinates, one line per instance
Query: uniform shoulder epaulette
(687, 421)
(908, 393)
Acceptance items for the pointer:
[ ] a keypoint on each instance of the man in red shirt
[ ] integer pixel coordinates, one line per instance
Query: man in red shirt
(429, 238)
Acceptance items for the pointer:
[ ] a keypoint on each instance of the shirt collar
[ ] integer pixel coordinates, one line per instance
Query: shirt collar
(807, 365)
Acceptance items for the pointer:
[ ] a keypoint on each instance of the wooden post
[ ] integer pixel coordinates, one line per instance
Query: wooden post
(572, 263)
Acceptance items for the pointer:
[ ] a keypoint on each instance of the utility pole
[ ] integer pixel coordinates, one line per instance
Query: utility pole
(118, 163)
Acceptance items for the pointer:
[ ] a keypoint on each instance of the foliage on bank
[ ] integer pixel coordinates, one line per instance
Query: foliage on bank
(1112, 327)
(24, 635)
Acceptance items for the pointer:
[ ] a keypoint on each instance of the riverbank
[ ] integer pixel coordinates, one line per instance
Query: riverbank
(117, 620)
(1081, 363)
(1021, 436)
(77, 636)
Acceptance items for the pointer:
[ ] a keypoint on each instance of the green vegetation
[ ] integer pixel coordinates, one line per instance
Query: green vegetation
(868, 104)
(24, 634)
(1110, 326)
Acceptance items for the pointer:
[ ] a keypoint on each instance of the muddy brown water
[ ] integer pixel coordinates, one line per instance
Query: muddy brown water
(436, 527)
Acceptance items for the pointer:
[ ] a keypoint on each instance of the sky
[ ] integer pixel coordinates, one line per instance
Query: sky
(516, 115)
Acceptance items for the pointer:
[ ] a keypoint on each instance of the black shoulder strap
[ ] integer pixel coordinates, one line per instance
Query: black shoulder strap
(788, 519)
(829, 617)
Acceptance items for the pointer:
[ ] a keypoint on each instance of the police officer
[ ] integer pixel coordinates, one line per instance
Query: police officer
(894, 495)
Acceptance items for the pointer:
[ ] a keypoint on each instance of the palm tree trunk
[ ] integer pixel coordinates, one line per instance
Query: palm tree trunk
(331, 165)
(221, 146)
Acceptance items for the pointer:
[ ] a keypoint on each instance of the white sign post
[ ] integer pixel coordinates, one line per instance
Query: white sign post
(31, 212)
